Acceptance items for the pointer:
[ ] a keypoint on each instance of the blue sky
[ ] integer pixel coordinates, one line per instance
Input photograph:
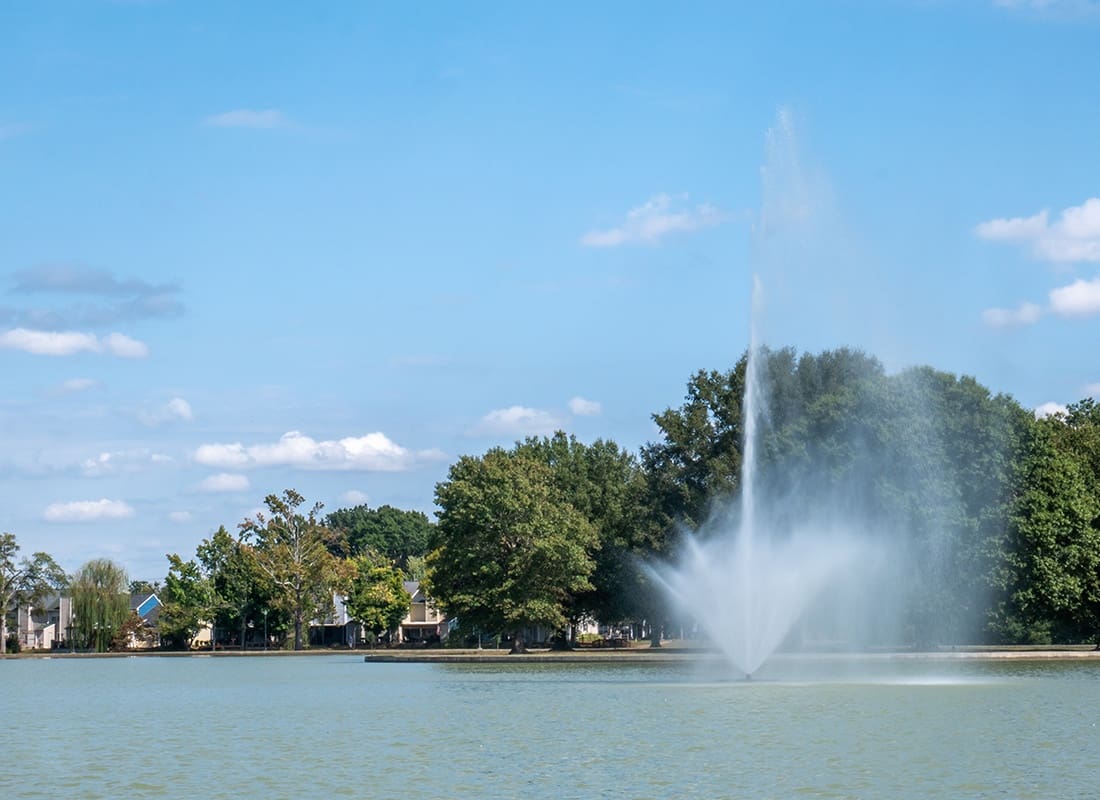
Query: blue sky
(251, 246)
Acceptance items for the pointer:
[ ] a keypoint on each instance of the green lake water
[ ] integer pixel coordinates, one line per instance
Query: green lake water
(332, 726)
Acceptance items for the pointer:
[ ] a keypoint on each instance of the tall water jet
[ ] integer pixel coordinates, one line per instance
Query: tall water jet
(749, 577)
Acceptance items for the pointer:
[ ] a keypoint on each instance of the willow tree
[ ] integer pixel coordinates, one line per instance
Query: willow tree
(101, 602)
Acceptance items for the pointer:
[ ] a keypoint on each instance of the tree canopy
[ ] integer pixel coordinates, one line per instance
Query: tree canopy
(509, 551)
(294, 551)
(395, 534)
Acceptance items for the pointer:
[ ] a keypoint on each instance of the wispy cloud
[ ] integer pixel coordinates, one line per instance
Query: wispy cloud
(660, 216)
(119, 299)
(87, 511)
(518, 421)
(580, 407)
(1049, 410)
(225, 482)
(175, 410)
(179, 517)
(1052, 8)
(74, 385)
(122, 461)
(354, 497)
(10, 130)
(1024, 314)
(1072, 238)
(248, 118)
(374, 452)
(67, 343)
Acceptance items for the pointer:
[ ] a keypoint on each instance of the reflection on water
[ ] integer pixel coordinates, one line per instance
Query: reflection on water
(334, 726)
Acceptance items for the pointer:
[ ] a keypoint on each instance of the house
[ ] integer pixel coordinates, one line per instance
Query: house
(337, 628)
(147, 606)
(44, 625)
(424, 622)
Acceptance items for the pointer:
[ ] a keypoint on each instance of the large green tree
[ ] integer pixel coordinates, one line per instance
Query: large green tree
(606, 485)
(242, 592)
(377, 598)
(391, 532)
(187, 599)
(25, 580)
(922, 461)
(1054, 575)
(101, 603)
(293, 550)
(510, 551)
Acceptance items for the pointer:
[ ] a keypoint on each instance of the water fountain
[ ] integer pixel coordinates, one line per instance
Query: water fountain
(752, 579)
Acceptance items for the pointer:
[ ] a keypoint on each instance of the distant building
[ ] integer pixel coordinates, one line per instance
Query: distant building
(424, 622)
(46, 624)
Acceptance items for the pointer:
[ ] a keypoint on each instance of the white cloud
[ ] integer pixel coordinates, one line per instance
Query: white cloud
(580, 407)
(49, 343)
(354, 497)
(655, 219)
(1092, 390)
(1080, 299)
(125, 347)
(67, 343)
(1049, 410)
(1073, 237)
(374, 452)
(225, 482)
(247, 118)
(1025, 314)
(518, 421)
(112, 462)
(179, 408)
(179, 516)
(87, 511)
(176, 409)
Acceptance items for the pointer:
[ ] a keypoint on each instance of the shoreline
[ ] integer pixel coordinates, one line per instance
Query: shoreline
(639, 654)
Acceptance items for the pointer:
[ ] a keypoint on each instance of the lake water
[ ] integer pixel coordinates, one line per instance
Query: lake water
(332, 726)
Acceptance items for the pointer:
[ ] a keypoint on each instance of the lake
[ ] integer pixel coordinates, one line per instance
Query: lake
(332, 726)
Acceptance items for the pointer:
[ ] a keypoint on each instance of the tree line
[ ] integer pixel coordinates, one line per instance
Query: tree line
(992, 517)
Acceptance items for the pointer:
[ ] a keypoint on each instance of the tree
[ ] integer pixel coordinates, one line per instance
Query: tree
(240, 590)
(377, 598)
(188, 599)
(606, 485)
(101, 603)
(24, 581)
(1054, 589)
(510, 551)
(293, 550)
(397, 535)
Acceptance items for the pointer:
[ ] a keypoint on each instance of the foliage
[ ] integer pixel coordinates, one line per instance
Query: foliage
(1054, 579)
(101, 603)
(132, 631)
(605, 484)
(187, 597)
(510, 551)
(241, 591)
(395, 534)
(377, 598)
(293, 551)
(926, 460)
(24, 581)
